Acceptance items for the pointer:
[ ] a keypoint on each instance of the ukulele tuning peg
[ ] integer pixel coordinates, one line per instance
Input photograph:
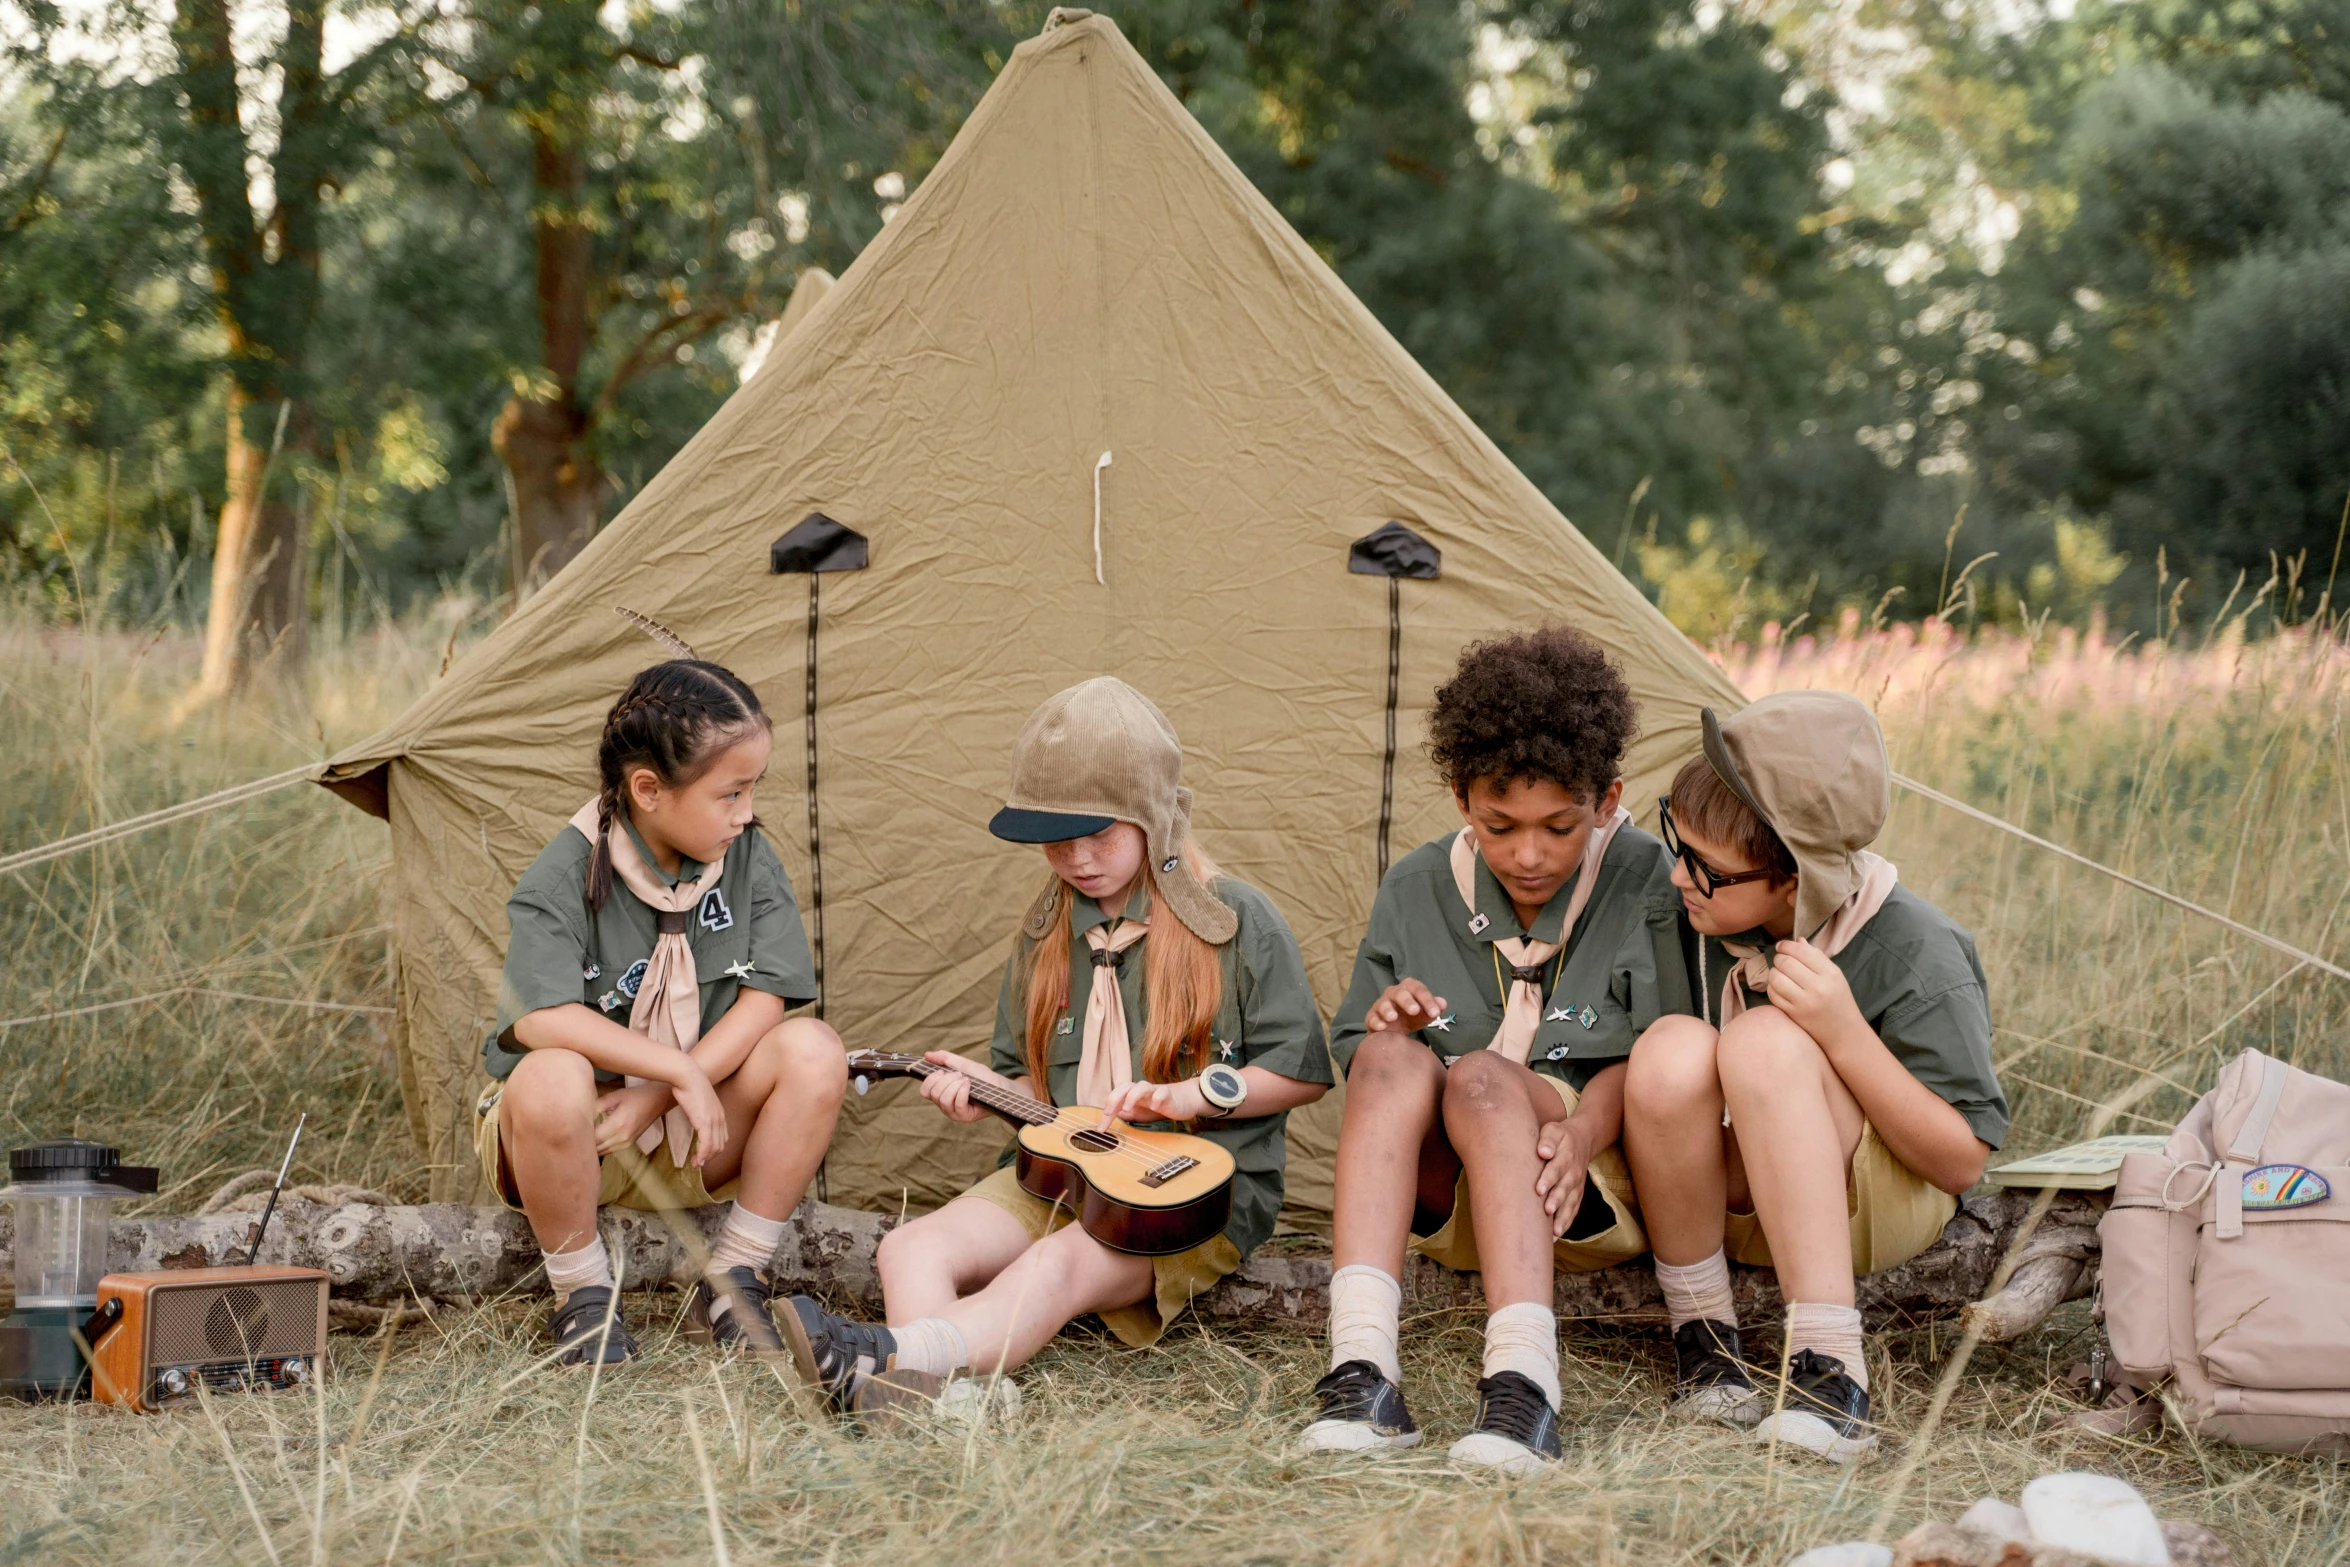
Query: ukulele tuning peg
(861, 1083)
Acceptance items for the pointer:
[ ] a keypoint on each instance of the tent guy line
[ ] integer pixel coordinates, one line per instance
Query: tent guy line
(261, 786)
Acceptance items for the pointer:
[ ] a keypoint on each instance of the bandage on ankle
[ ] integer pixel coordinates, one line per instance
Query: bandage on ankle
(931, 1344)
(1525, 1338)
(1829, 1330)
(1699, 1292)
(571, 1271)
(1366, 1309)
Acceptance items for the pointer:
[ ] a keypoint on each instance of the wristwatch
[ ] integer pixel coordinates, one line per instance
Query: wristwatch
(1224, 1088)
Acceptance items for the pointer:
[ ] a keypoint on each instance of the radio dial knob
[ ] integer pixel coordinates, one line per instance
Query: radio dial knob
(294, 1369)
(174, 1381)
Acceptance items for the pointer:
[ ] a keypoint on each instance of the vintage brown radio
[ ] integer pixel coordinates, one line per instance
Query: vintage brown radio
(156, 1336)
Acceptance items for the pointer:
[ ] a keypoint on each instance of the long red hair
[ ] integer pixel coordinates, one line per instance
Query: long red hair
(1182, 975)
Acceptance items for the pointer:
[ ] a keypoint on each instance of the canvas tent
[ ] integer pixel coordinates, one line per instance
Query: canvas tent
(1086, 405)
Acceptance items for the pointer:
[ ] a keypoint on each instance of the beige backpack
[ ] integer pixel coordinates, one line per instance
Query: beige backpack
(2226, 1269)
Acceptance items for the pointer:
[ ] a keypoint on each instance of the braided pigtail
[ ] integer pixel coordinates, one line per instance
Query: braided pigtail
(672, 722)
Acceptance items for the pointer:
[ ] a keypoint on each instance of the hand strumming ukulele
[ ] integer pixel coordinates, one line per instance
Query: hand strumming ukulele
(1149, 1194)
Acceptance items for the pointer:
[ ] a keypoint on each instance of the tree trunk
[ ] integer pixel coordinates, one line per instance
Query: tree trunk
(558, 490)
(545, 439)
(260, 568)
(446, 1249)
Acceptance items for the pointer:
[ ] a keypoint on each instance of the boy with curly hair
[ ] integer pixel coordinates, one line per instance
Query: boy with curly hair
(1507, 970)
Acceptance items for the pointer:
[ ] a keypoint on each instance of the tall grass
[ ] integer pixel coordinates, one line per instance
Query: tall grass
(2216, 771)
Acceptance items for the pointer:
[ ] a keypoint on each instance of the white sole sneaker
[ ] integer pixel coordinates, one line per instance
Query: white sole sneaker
(1353, 1436)
(1487, 1451)
(979, 1402)
(1739, 1408)
(1801, 1428)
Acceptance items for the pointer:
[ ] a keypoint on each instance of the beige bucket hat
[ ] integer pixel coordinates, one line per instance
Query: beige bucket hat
(1099, 753)
(1812, 765)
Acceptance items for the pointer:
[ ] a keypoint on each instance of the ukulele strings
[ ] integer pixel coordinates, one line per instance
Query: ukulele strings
(1069, 1125)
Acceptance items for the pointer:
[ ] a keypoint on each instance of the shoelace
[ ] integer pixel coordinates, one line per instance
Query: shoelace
(1513, 1408)
(1350, 1392)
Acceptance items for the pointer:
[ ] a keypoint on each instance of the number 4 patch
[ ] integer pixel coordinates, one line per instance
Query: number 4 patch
(715, 914)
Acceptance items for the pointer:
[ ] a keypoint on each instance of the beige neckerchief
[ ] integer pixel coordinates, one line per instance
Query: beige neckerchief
(1106, 1061)
(1753, 968)
(1521, 1012)
(668, 1005)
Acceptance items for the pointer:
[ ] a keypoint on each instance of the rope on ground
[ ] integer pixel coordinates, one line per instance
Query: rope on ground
(2238, 926)
(204, 991)
(233, 795)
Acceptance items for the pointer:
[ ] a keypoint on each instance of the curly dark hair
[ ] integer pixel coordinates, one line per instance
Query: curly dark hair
(1543, 704)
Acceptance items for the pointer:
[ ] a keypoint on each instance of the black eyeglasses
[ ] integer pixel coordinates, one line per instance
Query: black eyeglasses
(1709, 881)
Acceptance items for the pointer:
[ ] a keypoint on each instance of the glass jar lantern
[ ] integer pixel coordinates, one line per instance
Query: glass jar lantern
(64, 1194)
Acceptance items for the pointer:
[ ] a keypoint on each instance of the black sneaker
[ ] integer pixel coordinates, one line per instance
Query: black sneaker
(1516, 1430)
(744, 1322)
(588, 1330)
(834, 1354)
(1709, 1380)
(1361, 1410)
(1825, 1411)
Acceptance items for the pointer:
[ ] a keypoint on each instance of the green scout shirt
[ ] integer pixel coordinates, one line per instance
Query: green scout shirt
(746, 931)
(1268, 1019)
(1625, 965)
(1914, 973)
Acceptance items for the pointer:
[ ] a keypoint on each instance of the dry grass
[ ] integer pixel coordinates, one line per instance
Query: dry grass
(2218, 772)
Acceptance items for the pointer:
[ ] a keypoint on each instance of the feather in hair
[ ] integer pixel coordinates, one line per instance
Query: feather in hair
(669, 639)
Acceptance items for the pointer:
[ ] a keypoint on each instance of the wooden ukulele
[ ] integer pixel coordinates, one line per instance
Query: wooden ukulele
(1149, 1194)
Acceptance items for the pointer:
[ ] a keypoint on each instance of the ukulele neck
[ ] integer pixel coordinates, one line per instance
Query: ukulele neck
(1018, 1109)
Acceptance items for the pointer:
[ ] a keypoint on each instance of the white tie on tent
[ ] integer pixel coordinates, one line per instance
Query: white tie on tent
(890, 531)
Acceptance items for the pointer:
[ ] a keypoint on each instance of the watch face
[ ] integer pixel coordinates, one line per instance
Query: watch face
(1223, 1085)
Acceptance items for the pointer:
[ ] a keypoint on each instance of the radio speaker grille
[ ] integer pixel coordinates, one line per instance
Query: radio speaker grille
(213, 1322)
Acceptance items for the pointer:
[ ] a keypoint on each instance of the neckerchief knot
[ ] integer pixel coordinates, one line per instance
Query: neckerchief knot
(1521, 1011)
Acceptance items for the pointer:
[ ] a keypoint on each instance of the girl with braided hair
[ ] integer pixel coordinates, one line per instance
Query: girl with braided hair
(641, 1054)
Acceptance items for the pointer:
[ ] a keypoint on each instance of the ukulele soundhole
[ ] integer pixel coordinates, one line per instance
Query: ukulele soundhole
(1093, 1140)
(1161, 1174)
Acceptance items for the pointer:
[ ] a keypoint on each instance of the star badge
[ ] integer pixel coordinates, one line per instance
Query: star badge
(1558, 1015)
(743, 970)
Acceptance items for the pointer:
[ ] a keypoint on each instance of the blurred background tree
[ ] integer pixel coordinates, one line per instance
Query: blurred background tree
(1792, 305)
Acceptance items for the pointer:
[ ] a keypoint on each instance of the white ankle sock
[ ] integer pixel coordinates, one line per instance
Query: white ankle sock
(748, 1241)
(1366, 1307)
(1699, 1292)
(1832, 1331)
(568, 1272)
(931, 1344)
(1525, 1338)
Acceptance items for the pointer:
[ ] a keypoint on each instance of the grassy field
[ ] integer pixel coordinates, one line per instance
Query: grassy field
(2217, 771)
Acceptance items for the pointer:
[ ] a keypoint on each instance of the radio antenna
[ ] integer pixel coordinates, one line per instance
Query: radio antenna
(269, 1208)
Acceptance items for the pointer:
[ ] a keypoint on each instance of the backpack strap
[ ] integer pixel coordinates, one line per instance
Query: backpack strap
(2245, 1146)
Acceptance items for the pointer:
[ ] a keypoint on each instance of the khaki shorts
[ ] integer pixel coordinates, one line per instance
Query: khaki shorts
(628, 1179)
(1175, 1279)
(1896, 1213)
(1454, 1245)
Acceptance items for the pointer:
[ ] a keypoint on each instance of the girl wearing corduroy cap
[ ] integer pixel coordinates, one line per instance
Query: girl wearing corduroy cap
(1824, 1114)
(1138, 967)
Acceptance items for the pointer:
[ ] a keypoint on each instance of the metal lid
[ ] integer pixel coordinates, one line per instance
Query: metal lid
(74, 1166)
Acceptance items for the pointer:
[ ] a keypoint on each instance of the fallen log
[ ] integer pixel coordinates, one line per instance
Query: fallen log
(446, 1251)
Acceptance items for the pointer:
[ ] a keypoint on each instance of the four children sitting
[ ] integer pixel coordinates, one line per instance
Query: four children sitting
(1566, 1043)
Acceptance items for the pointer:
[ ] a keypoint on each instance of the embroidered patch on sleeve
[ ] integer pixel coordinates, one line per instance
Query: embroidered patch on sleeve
(715, 914)
(633, 978)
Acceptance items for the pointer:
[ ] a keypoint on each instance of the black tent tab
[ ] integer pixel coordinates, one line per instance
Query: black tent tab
(817, 543)
(1389, 550)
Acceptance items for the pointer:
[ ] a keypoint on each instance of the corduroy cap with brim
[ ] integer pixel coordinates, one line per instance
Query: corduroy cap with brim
(1098, 753)
(1812, 765)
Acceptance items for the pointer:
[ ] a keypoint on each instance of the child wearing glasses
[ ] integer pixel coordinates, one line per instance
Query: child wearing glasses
(1508, 968)
(1823, 1114)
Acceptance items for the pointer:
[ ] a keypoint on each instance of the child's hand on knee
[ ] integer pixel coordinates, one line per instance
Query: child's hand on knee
(702, 1110)
(1807, 985)
(1560, 1185)
(1405, 1007)
(624, 1113)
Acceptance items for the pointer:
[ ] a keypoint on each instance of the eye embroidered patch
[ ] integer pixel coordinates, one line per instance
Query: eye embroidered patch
(2275, 1186)
(1557, 1053)
(715, 914)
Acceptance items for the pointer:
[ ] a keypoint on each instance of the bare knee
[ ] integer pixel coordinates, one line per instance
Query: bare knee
(1387, 1062)
(906, 1249)
(1673, 1071)
(1764, 1051)
(808, 1060)
(1479, 1084)
(550, 1091)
